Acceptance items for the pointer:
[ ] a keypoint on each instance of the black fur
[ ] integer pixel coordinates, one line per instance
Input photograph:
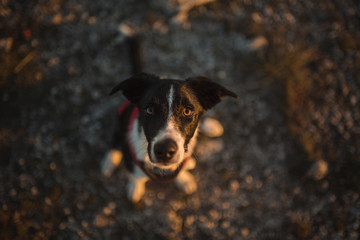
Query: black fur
(208, 92)
(120, 137)
(146, 90)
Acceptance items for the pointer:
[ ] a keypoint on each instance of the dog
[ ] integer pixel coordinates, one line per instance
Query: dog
(158, 126)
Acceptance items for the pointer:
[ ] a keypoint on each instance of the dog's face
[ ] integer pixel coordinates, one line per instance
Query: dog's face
(169, 112)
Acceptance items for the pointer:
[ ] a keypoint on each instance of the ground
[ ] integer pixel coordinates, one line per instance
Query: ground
(286, 167)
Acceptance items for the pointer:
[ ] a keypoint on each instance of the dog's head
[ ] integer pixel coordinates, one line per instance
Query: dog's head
(169, 111)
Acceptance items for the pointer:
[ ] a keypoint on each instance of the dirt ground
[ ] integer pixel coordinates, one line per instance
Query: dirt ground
(287, 166)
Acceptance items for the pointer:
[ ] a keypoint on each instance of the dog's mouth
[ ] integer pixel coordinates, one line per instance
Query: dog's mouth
(165, 153)
(162, 168)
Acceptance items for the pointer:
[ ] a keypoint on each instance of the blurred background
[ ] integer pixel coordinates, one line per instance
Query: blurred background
(287, 166)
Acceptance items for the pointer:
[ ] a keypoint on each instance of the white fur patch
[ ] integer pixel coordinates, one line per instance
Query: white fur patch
(111, 161)
(192, 144)
(138, 141)
(136, 185)
(170, 101)
(170, 130)
(186, 182)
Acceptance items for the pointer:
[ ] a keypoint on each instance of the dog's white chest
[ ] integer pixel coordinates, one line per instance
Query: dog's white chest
(137, 139)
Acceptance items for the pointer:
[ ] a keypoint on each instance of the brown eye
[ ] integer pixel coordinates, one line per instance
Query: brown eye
(187, 112)
(149, 110)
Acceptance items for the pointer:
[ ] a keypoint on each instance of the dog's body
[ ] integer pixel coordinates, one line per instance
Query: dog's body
(158, 128)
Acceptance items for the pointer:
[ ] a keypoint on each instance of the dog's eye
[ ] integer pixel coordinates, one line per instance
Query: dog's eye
(149, 110)
(187, 112)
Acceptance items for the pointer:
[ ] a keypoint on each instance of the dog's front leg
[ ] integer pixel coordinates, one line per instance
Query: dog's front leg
(110, 162)
(136, 185)
(186, 182)
(211, 127)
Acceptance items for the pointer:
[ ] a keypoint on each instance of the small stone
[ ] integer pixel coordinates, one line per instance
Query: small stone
(209, 147)
(318, 170)
(214, 214)
(245, 232)
(225, 225)
(107, 211)
(57, 19)
(52, 166)
(84, 224)
(67, 211)
(234, 186)
(249, 179)
(148, 201)
(297, 190)
(80, 206)
(53, 61)
(160, 195)
(101, 221)
(92, 20)
(354, 235)
(258, 43)
(189, 221)
(48, 201)
(353, 100)
(13, 192)
(62, 226)
(231, 232)
(21, 162)
(256, 17)
(225, 205)
(222, 74)
(259, 184)
(112, 205)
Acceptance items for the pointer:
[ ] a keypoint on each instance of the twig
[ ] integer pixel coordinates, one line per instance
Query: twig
(186, 7)
(24, 62)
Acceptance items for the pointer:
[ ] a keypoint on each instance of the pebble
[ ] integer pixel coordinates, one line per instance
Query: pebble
(52, 166)
(259, 42)
(48, 201)
(245, 232)
(249, 179)
(107, 211)
(67, 211)
(21, 161)
(189, 221)
(234, 186)
(318, 170)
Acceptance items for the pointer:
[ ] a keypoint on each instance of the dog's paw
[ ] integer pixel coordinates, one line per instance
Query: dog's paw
(136, 189)
(186, 182)
(211, 127)
(111, 161)
(190, 164)
(207, 148)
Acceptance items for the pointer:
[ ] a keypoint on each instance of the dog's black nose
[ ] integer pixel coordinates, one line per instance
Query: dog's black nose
(165, 150)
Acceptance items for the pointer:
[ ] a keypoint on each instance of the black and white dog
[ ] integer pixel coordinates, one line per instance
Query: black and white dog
(157, 130)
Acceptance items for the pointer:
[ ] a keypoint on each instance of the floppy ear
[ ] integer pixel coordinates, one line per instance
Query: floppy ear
(208, 92)
(133, 88)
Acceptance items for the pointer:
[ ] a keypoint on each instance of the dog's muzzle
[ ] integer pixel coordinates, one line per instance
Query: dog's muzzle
(165, 151)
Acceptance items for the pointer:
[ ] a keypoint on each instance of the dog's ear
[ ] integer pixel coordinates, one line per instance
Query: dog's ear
(209, 93)
(134, 87)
